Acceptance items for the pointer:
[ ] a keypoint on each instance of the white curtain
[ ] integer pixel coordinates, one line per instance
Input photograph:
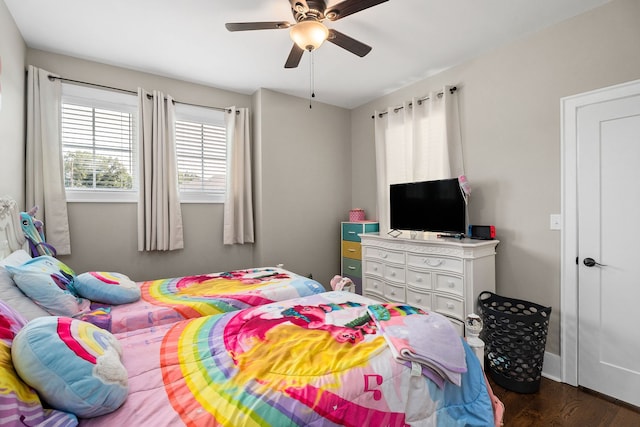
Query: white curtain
(44, 171)
(159, 214)
(238, 206)
(418, 141)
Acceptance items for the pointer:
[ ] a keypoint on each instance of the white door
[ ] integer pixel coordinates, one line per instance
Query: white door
(608, 199)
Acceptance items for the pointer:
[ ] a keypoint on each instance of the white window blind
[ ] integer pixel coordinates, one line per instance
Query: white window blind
(98, 129)
(202, 153)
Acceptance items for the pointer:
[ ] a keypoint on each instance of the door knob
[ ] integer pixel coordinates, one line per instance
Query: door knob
(590, 262)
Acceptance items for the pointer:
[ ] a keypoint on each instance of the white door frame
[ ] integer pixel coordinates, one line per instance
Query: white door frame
(569, 108)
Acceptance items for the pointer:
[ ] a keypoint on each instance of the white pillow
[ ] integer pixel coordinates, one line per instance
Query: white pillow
(16, 258)
(11, 294)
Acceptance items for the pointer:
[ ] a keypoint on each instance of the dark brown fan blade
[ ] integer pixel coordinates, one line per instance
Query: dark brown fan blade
(300, 6)
(247, 26)
(294, 57)
(349, 7)
(348, 43)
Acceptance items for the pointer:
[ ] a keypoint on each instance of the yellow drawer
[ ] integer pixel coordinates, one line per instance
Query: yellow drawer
(351, 249)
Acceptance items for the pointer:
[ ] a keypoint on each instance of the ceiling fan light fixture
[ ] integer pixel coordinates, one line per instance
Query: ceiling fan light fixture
(309, 35)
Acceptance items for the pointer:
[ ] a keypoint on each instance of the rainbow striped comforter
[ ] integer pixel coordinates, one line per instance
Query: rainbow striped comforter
(310, 361)
(166, 301)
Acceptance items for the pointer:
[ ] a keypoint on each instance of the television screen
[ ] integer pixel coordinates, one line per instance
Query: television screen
(428, 206)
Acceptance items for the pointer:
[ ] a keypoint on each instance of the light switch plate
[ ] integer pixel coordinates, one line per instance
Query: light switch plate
(555, 222)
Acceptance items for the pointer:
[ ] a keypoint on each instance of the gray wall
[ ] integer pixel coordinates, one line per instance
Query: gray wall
(510, 113)
(306, 177)
(12, 112)
(300, 198)
(103, 235)
(304, 156)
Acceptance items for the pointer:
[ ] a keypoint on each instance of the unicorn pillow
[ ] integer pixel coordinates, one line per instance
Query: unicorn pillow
(107, 288)
(17, 400)
(49, 283)
(74, 365)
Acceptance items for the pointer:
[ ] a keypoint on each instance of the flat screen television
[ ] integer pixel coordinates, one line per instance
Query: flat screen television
(428, 206)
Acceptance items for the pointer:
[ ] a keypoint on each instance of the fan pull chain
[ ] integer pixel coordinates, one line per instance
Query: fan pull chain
(311, 79)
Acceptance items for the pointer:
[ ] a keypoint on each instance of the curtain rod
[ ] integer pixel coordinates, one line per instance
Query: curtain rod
(62, 79)
(420, 100)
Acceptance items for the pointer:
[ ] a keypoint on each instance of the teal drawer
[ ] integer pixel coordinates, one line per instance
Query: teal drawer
(371, 227)
(350, 230)
(351, 267)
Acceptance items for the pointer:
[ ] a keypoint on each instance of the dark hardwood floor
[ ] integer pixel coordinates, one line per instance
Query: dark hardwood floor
(558, 404)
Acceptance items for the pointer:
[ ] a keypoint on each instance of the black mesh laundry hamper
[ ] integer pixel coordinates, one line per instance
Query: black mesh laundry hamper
(515, 334)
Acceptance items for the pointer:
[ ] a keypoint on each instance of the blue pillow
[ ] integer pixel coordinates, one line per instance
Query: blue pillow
(19, 402)
(73, 365)
(107, 288)
(49, 283)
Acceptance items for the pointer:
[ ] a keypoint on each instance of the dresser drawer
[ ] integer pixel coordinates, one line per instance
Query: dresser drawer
(449, 306)
(394, 293)
(374, 268)
(394, 274)
(383, 255)
(419, 299)
(351, 267)
(372, 285)
(453, 265)
(419, 279)
(350, 230)
(351, 249)
(375, 297)
(449, 284)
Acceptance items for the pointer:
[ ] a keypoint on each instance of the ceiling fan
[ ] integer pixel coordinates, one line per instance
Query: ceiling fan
(308, 33)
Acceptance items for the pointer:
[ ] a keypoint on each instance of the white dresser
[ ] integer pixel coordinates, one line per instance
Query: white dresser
(442, 275)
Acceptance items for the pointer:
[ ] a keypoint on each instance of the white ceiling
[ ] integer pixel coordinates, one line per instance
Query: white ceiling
(187, 40)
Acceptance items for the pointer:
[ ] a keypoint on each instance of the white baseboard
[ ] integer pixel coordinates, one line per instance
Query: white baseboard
(552, 367)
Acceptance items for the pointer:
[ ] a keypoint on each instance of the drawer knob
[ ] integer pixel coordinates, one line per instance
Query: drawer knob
(393, 274)
(375, 268)
(351, 250)
(383, 255)
(450, 306)
(418, 299)
(351, 267)
(375, 285)
(393, 292)
(433, 263)
(418, 279)
(451, 284)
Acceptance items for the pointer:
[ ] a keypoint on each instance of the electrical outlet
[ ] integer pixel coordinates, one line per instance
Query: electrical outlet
(555, 222)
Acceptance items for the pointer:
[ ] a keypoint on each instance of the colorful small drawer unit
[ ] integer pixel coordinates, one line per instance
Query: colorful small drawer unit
(351, 265)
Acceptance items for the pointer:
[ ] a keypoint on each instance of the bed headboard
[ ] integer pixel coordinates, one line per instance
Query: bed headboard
(11, 236)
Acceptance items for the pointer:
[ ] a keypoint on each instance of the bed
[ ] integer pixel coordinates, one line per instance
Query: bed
(170, 300)
(320, 360)
(113, 302)
(311, 359)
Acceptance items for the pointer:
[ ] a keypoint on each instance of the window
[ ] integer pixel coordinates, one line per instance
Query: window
(98, 131)
(201, 146)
